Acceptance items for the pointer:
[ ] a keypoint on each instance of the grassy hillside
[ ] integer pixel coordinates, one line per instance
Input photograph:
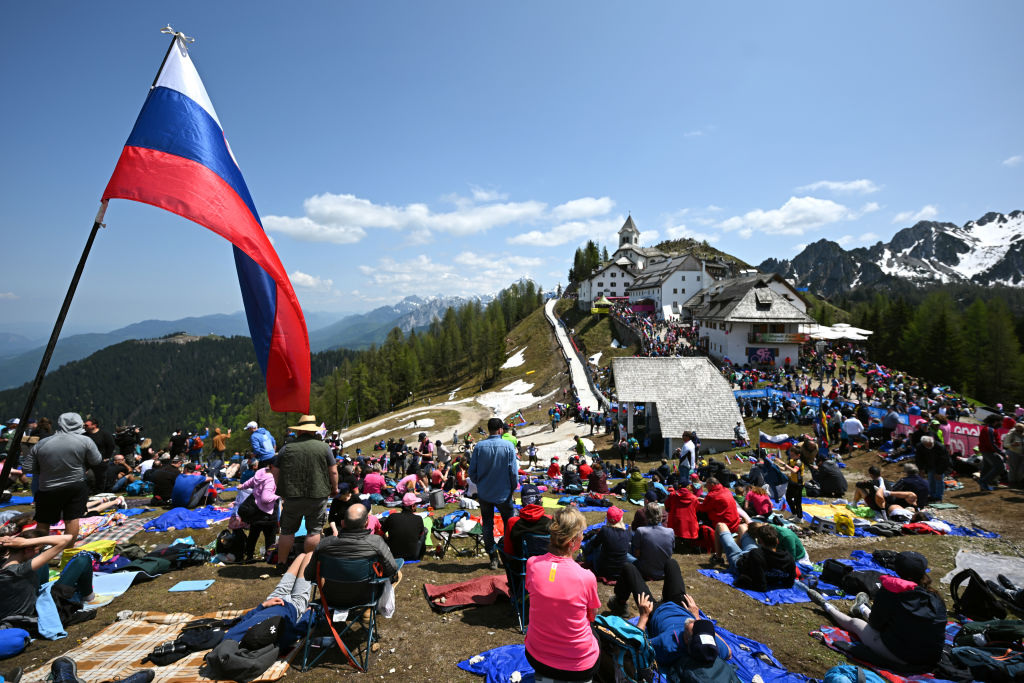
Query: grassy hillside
(594, 333)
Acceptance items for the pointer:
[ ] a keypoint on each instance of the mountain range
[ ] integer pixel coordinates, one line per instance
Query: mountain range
(985, 252)
(18, 365)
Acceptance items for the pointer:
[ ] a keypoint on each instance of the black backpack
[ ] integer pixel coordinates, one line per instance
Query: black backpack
(231, 542)
(975, 600)
(862, 581)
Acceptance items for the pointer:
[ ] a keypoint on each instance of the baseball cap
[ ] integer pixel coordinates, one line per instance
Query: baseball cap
(252, 425)
(910, 565)
(410, 499)
(703, 646)
(614, 515)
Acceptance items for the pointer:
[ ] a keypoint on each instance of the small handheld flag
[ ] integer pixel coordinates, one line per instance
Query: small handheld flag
(178, 159)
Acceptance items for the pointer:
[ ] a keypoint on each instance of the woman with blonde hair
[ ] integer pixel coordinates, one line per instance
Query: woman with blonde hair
(563, 602)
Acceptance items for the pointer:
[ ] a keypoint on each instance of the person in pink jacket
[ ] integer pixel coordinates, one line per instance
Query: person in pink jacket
(264, 492)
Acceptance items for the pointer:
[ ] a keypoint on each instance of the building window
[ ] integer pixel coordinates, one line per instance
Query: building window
(675, 290)
(600, 293)
(698, 278)
(684, 278)
(611, 274)
(600, 284)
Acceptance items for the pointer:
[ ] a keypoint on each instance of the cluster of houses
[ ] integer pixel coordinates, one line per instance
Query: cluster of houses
(743, 315)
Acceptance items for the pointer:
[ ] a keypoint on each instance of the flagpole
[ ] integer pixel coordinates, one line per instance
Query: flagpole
(14, 447)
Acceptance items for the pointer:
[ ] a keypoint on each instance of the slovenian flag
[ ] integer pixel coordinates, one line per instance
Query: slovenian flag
(778, 442)
(177, 158)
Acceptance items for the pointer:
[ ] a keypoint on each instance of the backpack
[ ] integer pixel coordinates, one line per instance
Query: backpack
(991, 663)
(189, 491)
(862, 581)
(197, 444)
(844, 523)
(626, 655)
(885, 558)
(975, 601)
(231, 542)
(997, 632)
(834, 571)
(139, 488)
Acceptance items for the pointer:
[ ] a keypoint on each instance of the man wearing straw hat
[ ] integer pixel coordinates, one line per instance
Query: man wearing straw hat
(307, 477)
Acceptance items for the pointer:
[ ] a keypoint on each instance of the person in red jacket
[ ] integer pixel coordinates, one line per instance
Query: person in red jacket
(720, 508)
(554, 471)
(681, 506)
(531, 520)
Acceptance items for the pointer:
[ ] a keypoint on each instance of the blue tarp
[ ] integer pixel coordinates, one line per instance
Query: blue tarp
(858, 560)
(749, 657)
(180, 518)
(17, 500)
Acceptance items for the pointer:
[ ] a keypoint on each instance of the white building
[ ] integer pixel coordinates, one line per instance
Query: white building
(628, 261)
(667, 284)
(754, 318)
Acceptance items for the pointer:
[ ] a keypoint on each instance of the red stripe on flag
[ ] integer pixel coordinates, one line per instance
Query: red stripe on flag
(193, 191)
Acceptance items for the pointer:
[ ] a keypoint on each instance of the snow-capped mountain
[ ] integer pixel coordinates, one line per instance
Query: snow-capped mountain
(988, 251)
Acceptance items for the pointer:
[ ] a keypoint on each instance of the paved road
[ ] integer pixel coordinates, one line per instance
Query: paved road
(578, 374)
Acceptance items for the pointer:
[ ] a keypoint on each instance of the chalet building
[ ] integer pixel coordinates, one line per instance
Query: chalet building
(678, 394)
(754, 318)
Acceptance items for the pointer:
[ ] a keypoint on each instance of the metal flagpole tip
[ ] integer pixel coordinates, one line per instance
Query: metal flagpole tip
(177, 34)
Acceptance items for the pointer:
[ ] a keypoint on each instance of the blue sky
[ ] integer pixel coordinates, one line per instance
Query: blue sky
(450, 148)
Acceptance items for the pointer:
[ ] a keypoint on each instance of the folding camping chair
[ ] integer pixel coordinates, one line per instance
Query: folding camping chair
(352, 584)
(515, 571)
(445, 535)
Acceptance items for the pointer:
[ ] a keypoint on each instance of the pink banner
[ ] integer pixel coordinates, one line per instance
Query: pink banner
(963, 436)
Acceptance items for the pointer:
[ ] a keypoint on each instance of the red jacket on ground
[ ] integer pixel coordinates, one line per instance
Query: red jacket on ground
(720, 506)
(681, 505)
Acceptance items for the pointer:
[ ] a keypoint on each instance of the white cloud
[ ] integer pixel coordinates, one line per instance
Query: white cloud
(469, 274)
(308, 230)
(844, 240)
(345, 218)
(484, 195)
(799, 247)
(746, 233)
(926, 213)
(572, 231)
(870, 207)
(307, 281)
(795, 217)
(712, 208)
(649, 236)
(1015, 160)
(10, 296)
(862, 186)
(584, 207)
(868, 238)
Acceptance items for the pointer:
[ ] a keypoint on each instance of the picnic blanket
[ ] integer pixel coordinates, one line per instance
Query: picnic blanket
(749, 657)
(182, 518)
(484, 590)
(119, 533)
(858, 560)
(118, 650)
(839, 640)
(17, 500)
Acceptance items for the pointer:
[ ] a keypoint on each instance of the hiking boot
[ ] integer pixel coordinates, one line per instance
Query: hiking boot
(495, 563)
(617, 607)
(64, 670)
(816, 597)
(862, 600)
(1007, 583)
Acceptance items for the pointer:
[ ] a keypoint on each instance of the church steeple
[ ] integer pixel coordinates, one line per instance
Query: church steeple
(628, 233)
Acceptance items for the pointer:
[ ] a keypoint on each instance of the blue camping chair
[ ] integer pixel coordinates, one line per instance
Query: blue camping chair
(515, 570)
(353, 584)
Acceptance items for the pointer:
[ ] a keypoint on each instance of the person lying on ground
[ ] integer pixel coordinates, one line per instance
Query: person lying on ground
(24, 568)
(881, 501)
(906, 626)
(683, 642)
(757, 562)
(913, 482)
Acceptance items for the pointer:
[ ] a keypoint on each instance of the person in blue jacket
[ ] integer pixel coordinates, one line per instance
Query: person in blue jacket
(495, 471)
(261, 441)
